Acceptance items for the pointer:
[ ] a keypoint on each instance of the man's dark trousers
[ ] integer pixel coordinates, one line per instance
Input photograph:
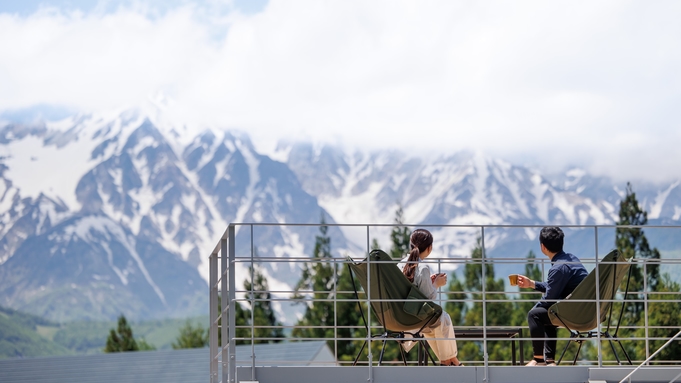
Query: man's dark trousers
(543, 332)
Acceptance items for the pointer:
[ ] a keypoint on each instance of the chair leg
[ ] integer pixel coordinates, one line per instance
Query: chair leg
(572, 335)
(574, 361)
(428, 354)
(617, 357)
(359, 353)
(611, 340)
(624, 351)
(380, 358)
(403, 354)
(607, 336)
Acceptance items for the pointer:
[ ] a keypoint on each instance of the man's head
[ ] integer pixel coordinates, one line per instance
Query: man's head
(552, 239)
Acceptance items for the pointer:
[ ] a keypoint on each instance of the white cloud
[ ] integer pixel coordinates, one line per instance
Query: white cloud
(551, 83)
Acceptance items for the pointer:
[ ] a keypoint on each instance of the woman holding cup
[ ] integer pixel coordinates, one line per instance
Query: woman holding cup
(441, 338)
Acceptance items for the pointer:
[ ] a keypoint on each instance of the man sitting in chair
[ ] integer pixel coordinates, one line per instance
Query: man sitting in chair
(565, 274)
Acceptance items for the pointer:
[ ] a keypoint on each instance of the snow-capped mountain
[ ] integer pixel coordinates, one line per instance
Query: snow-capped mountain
(465, 188)
(115, 213)
(122, 211)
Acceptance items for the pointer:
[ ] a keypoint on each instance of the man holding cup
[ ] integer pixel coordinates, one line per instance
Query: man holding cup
(565, 274)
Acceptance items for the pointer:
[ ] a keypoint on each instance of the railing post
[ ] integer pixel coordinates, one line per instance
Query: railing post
(253, 303)
(228, 308)
(336, 274)
(213, 313)
(485, 355)
(598, 304)
(645, 306)
(368, 294)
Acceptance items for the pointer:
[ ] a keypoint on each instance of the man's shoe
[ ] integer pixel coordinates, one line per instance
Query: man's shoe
(551, 364)
(533, 363)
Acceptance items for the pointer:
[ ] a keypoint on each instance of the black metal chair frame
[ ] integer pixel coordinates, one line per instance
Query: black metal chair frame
(581, 336)
(423, 349)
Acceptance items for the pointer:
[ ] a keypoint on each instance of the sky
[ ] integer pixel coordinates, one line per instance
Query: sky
(594, 84)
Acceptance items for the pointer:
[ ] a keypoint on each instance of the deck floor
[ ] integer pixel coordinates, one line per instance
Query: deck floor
(416, 374)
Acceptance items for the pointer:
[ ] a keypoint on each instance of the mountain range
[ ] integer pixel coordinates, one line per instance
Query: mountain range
(116, 213)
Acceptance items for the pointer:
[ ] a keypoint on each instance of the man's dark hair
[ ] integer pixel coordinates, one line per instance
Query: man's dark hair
(552, 238)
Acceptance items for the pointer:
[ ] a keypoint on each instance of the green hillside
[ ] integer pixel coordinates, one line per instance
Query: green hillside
(90, 337)
(25, 335)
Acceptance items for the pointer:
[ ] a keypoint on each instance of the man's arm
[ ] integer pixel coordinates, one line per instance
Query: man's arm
(554, 285)
(540, 286)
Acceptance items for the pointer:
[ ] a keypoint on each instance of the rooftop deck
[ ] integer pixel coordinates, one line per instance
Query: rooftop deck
(237, 250)
(416, 374)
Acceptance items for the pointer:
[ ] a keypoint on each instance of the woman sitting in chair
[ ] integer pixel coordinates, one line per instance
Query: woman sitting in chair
(421, 242)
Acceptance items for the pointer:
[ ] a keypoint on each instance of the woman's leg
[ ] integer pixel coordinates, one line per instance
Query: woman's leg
(445, 347)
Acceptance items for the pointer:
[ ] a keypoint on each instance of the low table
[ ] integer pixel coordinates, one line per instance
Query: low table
(496, 333)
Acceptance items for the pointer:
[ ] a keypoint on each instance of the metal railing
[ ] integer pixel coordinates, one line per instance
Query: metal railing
(237, 250)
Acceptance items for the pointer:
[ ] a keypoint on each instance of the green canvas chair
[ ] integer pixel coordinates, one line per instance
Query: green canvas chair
(578, 312)
(398, 305)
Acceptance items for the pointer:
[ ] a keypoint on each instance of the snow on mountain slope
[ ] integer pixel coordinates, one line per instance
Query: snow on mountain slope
(462, 189)
(667, 203)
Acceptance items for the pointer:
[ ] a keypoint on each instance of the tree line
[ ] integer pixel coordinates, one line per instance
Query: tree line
(331, 311)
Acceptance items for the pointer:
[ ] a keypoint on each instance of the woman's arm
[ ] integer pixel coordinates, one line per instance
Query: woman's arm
(423, 281)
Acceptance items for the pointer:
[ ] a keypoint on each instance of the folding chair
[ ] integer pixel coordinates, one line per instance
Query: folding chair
(398, 305)
(577, 312)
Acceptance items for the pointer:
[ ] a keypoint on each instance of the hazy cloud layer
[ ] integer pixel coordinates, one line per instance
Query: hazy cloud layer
(594, 84)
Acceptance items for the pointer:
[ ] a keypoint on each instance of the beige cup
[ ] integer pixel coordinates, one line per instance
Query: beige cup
(513, 279)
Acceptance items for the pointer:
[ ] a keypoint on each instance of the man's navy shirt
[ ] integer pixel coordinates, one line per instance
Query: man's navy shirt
(565, 274)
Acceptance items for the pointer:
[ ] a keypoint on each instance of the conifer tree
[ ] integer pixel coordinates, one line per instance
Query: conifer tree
(497, 306)
(664, 310)
(315, 287)
(349, 318)
(144, 345)
(632, 242)
(121, 340)
(264, 317)
(456, 300)
(374, 244)
(191, 337)
(242, 323)
(399, 236)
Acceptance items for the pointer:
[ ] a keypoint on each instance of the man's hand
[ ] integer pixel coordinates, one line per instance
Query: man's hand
(525, 282)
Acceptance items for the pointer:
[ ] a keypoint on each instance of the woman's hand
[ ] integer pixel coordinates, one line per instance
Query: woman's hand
(525, 282)
(439, 279)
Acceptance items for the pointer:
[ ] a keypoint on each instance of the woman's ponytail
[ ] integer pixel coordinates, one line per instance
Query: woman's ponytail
(419, 241)
(410, 268)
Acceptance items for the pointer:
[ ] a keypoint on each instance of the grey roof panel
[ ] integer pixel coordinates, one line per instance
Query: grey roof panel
(167, 366)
